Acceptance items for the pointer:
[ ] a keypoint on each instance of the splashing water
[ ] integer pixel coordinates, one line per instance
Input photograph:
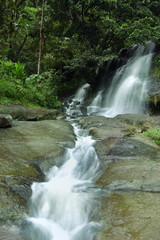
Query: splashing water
(74, 106)
(128, 89)
(63, 207)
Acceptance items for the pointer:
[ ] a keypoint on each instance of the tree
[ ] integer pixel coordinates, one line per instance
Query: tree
(40, 40)
(75, 35)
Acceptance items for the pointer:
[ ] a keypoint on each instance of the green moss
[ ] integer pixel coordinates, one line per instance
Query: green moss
(154, 134)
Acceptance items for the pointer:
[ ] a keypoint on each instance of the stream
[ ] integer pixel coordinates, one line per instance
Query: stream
(66, 205)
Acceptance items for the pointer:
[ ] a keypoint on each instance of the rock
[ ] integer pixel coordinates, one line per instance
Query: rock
(27, 151)
(61, 117)
(10, 232)
(5, 120)
(130, 176)
(153, 98)
(153, 103)
(25, 113)
(83, 110)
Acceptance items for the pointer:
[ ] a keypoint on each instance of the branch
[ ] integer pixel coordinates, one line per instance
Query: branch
(21, 47)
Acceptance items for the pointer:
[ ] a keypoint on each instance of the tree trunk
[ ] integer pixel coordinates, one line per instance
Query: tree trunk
(21, 47)
(40, 41)
(84, 28)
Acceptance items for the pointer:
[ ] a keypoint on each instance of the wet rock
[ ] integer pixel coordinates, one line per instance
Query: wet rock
(153, 99)
(24, 113)
(130, 215)
(83, 110)
(9, 232)
(153, 103)
(130, 176)
(5, 120)
(61, 117)
(27, 151)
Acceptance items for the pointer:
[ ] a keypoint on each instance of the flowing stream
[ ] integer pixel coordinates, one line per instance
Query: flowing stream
(65, 206)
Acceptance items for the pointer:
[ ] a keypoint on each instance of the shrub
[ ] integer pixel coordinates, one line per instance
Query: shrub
(12, 69)
(154, 134)
(36, 89)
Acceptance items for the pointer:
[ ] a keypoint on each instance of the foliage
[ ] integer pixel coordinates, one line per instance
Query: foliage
(156, 67)
(13, 69)
(39, 89)
(36, 89)
(77, 37)
(154, 134)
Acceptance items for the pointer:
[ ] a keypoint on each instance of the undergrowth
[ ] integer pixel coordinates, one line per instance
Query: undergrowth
(154, 134)
(16, 87)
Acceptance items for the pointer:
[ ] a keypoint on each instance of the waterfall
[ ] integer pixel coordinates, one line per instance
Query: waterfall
(64, 206)
(127, 91)
(74, 106)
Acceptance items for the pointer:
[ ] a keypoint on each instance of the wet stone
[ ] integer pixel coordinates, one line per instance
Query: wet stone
(130, 177)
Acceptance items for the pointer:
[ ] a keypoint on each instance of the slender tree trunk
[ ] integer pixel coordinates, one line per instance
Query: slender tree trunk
(84, 28)
(40, 41)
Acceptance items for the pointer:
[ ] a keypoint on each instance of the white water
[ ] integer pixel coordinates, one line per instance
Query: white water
(74, 106)
(128, 89)
(64, 207)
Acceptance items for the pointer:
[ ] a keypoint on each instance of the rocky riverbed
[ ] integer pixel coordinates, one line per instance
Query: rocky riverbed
(28, 149)
(130, 166)
(130, 178)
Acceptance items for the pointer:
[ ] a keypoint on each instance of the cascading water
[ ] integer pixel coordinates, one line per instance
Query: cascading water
(74, 106)
(63, 207)
(128, 89)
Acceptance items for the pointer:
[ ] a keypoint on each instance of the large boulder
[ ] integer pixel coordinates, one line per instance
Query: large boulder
(130, 176)
(5, 120)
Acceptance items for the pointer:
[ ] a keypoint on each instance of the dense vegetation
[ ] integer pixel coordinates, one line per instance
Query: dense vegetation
(76, 37)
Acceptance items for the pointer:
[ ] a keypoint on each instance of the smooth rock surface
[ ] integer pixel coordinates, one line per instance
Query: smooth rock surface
(27, 151)
(130, 181)
(25, 113)
(5, 120)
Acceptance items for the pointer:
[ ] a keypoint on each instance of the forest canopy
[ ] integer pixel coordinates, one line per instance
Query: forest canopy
(76, 37)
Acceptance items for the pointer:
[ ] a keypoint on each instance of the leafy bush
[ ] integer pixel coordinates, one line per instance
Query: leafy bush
(40, 89)
(36, 89)
(13, 69)
(154, 134)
